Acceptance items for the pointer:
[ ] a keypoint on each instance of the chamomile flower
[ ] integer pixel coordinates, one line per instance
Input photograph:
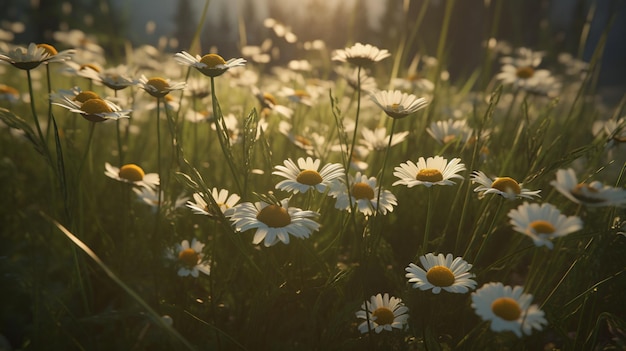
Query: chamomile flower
(273, 222)
(521, 70)
(613, 130)
(307, 175)
(508, 309)
(543, 223)
(92, 107)
(116, 78)
(150, 197)
(441, 272)
(269, 103)
(211, 65)
(361, 55)
(190, 258)
(397, 104)
(594, 194)
(378, 139)
(506, 187)
(309, 141)
(8, 93)
(132, 174)
(34, 55)
(368, 197)
(384, 313)
(428, 172)
(225, 202)
(159, 87)
(450, 131)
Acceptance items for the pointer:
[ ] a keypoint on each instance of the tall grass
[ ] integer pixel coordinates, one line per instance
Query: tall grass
(111, 287)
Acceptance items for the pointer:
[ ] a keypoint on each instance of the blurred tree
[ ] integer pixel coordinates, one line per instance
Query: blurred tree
(185, 23)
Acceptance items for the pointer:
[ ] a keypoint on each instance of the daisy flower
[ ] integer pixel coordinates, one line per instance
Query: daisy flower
(542, 223)
(432, 171)
(594, 194)
(369, 198)
(307, 175)
(211, 65)
(190, 258)
(378, 139)
(92, 107)
(34, 55)
(269, 103)
(441, 272)
(225, 202)
(413, 82)
(159, 87)
(613, 130)
(384, 313)
(132, 174)
(150, 197)
(506, 187)
(508, 309)
(449, 131)
(116, 78)
(8, 93)
(354, 77)
(312, 143)
(361, 55)
(273, 222)
(521, 70)
(397, 104)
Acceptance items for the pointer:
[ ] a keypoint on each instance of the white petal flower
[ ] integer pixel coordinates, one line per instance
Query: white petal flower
(432, 171)
(441, 272)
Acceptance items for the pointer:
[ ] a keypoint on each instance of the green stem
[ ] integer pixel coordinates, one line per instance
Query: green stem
(120, 152)
(159, 170)
(427, 225)
(491, 226)
(44, 143)
(221, 136)
(92, 127)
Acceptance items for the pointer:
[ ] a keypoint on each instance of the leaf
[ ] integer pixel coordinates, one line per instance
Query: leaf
(15, 122)
(156, 318)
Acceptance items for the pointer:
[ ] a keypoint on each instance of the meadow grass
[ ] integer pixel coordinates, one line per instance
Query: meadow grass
(121, 281)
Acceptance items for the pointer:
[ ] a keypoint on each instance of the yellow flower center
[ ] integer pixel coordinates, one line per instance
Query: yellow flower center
(89, 66)
(309, 177)
(301, 93)
(302, 140)
(413, 77)
(429, 175)
(506, 308)
(95, 106)
(189, 257)
(584, 192)
(131, 172)
(362, 191)
(5, 89)
(525, 72)
(83, 96)
(542, 227)
(507, 185)
(269, 98)
(158, 83)
(449, 138)
(383, 316)
(440, 276)
(274, 216)
(50, 50)
(212, 60)
(395, 107)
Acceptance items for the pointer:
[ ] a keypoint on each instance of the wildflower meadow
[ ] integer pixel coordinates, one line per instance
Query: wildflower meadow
(293, 194)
